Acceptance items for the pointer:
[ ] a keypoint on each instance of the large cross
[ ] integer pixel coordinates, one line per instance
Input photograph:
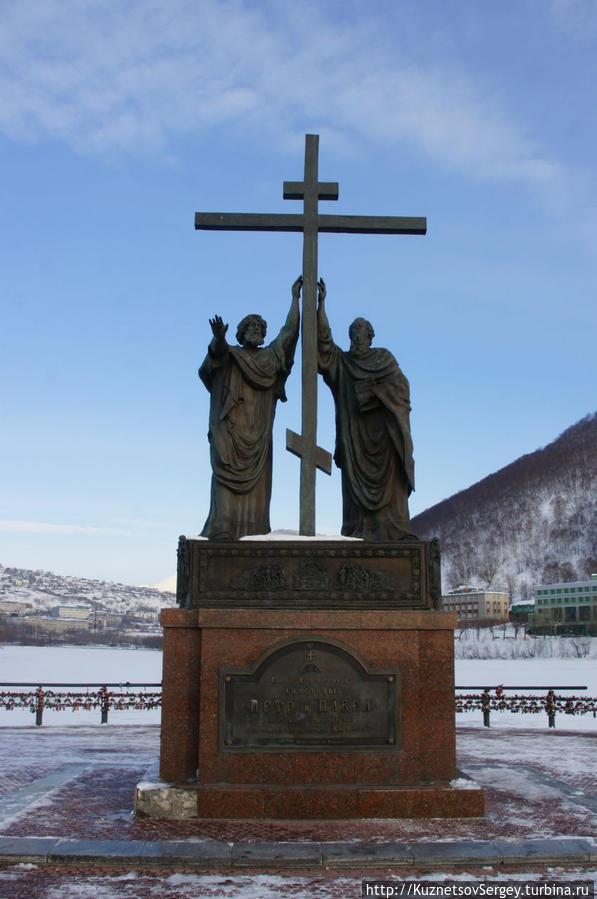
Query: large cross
(310, 222)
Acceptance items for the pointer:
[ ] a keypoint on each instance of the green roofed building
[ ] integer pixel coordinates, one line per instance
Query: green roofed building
(566, 608)
(521, 610)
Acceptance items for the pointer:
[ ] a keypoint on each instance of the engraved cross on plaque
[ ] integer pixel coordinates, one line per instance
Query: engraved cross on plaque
(310, 222)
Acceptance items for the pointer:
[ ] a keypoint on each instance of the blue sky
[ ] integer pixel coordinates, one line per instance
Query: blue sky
(119, 120)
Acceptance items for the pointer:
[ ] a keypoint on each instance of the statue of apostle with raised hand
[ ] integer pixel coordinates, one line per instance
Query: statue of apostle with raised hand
(373, 442)
(245, 383)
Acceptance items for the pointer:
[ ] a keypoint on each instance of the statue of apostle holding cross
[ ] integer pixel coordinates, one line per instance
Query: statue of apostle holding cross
(371, 393)
(245, 383)
(373, 442)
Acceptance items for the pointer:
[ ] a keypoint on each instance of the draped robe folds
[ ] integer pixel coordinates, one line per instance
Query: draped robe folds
(373, 441)
(245, 384)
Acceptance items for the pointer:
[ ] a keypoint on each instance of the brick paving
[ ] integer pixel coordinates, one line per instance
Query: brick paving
(97, 805)
(29, 882)
(17, 777)
(525, 798)
(538, 784)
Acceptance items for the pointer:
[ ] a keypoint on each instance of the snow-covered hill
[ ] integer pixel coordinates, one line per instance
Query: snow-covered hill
(43, 590)
(168, 585)
(532, 522)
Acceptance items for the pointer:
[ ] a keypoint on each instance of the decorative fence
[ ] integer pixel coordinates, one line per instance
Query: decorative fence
(104, 697)
(128, 696)
(488, 699)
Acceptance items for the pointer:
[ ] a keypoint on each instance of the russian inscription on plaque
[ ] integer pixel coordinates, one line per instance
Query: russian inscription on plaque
(309, 694)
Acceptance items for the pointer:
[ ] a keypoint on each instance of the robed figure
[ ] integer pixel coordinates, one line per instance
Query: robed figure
(373, 441)
(245, 383)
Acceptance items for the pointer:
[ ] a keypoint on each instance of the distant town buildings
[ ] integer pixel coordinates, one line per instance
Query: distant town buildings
(100, 619)
(566, 608)
(520, 611)
(106, 620)
(480, 606)
(38, 625)
(142, 613)
(42, 607)
(81, 612)
(12, 607)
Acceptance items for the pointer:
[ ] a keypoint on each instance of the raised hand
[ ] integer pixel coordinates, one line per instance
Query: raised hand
(296, 287)
(321, 290)
(218, 328)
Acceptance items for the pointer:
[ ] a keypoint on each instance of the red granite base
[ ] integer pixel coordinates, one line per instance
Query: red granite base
(310, 803)
(409, 779)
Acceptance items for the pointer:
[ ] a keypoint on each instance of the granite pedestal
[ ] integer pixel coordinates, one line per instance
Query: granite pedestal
(274, 706)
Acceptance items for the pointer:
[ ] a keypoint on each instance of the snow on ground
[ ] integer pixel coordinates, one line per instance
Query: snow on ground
(519, 763)
(258, 886)
(504, 641)
(101, 664)
(540, 782)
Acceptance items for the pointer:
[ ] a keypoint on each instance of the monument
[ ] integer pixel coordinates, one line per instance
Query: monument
(245, 383)
(373, 442)
(308, 678)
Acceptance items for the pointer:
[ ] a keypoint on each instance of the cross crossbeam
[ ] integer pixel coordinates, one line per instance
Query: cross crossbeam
(326, 224)
(311, 223)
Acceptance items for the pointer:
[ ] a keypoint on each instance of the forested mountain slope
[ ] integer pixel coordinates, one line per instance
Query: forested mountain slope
(534, 521)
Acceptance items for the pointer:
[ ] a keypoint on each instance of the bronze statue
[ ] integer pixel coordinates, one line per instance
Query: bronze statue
(373, 442)
(245, 383)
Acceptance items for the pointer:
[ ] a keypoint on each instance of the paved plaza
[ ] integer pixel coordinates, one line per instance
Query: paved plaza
(66, 823)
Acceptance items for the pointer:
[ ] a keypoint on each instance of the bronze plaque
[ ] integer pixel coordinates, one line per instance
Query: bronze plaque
(309, 694)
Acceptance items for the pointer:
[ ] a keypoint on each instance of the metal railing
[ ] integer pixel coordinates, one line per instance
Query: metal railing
(488, 699)
(119, 697)
(136, 696)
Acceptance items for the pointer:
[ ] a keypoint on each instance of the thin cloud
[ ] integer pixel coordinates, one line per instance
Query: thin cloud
(109, 78)
(39, 527)
(454, 124)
